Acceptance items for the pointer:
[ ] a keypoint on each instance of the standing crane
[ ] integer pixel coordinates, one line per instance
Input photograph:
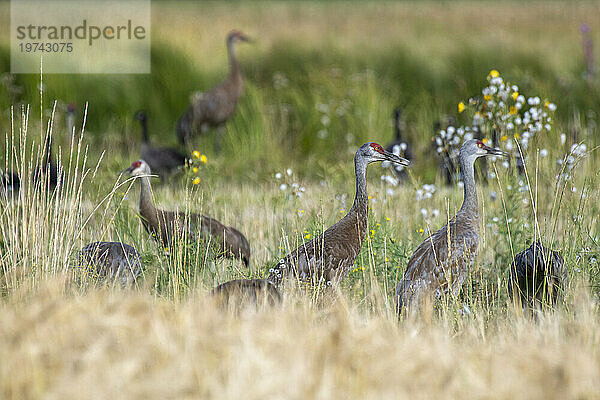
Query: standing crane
(162, 160)
(214, 107)
(171, 227)
(399, 146)
(112, 260)
(537, 275)
(331, 255)
(442, 261)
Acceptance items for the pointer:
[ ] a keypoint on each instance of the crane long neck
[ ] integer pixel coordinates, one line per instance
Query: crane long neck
(147, 209)
(234, 68)
(145, 136)
(397, 131)
(468, 176)
(70, 124)
(361, 204)
(48, 150)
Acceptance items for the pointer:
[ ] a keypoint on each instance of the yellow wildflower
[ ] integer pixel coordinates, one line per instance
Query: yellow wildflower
(387, 219)
(484, 140)
(307, 236)
(503, 138)
(203, 159)
(461, 107)
(494, 73)
(342, 211)
(195, 170)
(196, 181)
(513, 110)
(547, 104)
(378, 225)
(517, 136)
(420, 230)
(196, 154)
(487, 97)
(387, 259)
(515, 95)
(369, 197)
(372, 232)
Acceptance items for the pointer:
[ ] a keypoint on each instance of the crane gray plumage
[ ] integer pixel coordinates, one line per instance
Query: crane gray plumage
(162, 160)
(46, 172)
(70, 120)
(441, 263)
(245, 292)
(171, 227)
(113, 260)
(537, 276)
(214, 107)
(331, 255)
(399, 146)
(10, 184)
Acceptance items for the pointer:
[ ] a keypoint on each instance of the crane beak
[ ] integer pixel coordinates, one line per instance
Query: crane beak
(245, 38)
(492, 151)
(387, 156)
(128, 170)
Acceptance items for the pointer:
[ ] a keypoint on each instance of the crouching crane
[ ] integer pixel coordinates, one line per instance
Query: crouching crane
(537, 276)
(111, 260)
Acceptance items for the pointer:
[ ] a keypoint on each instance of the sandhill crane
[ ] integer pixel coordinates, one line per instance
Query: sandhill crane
(47, 168)
(170, 226)
(330, 256)
(244, 292)
(442, 261)
(399, 146)
(10, 184)
(162, 160)
(537, 275)
(214, 107)
(112, 260)
(70, 121)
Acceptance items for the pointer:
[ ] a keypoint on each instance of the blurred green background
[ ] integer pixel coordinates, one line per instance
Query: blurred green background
(323, 77)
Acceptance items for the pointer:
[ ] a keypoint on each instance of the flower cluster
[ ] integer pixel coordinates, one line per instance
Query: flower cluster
(198, 160)
(325, 110)
(502, 112)
(286, 183)
(399, 150)
(426, 192)
(280, 81)
(577, 152)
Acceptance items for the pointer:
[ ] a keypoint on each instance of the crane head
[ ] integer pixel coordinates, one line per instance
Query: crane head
(478, 148)
(140, 115)
(373, 152)
(138, 168)
(237, 35)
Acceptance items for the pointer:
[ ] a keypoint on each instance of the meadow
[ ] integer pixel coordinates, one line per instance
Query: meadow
(322, 78)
